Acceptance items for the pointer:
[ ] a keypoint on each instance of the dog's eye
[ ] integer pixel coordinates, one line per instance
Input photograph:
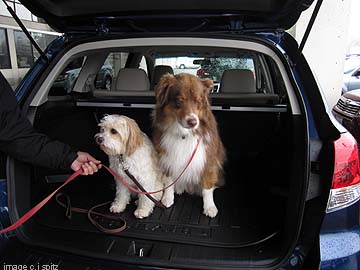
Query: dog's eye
(178, 103)
(113, 131)
(102, 130)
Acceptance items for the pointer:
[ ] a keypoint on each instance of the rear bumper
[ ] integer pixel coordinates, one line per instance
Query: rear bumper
(340, 250)
(340, 239)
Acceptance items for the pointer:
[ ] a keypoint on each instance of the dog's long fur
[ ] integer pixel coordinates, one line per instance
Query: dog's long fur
(183, 115)
(121, 135)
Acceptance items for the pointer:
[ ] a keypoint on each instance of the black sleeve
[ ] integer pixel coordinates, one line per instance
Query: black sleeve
(19, 139)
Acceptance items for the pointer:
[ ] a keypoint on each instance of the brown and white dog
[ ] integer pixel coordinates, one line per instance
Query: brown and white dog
(120, 135)
(183, 115)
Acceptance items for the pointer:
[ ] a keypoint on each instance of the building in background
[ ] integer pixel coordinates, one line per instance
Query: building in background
(17, 54)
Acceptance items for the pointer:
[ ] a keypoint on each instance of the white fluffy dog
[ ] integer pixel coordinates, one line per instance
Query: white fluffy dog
(120, 135)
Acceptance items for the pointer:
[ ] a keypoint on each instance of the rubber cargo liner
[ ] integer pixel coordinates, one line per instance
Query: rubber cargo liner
(239, 223)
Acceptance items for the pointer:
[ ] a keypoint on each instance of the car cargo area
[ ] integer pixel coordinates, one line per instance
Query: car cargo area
(252, 205)
(243, 214)
(258, 206)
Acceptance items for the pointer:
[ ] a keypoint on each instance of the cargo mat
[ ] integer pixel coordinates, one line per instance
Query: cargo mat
(239, 222)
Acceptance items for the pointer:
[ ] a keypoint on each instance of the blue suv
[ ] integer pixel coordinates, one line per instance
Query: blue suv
(292, 173)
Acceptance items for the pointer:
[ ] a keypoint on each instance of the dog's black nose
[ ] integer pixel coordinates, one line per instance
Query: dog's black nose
(192, 122)
(99, 140)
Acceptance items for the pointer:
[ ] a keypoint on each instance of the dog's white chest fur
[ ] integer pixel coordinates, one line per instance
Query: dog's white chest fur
(141, 165)
(178, 151)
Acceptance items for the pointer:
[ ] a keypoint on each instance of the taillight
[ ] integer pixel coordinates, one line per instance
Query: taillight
(345, 188)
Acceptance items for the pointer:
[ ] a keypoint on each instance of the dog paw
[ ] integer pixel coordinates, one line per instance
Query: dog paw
(210, 211)
(142, 213)
(168, 201)
(117, 207)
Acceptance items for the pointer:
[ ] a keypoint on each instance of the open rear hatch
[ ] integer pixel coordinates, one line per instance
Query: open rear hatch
(140, 15)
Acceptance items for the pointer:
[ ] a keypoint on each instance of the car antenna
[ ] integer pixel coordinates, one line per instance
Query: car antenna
(307, 32)
(22, 26)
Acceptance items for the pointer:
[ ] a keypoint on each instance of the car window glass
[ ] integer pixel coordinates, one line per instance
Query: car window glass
(209, 67)
(143, 65)
(357, 72)
(109, 70)
(64, 83)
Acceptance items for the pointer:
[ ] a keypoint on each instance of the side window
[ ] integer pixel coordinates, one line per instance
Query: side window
(143, 64)
(109, 70)
(65, 82)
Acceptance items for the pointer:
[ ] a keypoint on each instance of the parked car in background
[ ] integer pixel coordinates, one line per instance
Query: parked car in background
(66, 80)
(347, 112)
(185, 62)
(105, 76)
(351, 78)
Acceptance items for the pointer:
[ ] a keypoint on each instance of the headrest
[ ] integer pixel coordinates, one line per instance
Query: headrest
(132, 79)
(158, 72)
(237, 81)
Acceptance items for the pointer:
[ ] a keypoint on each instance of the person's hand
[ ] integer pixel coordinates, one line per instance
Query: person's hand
(89, 164)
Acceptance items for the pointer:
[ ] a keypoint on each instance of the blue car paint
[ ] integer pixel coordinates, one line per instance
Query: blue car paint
(340, 239)
(3, 203)
(340, 231)
(4, 213)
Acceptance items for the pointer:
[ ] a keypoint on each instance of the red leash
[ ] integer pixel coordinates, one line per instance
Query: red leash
(37, 207)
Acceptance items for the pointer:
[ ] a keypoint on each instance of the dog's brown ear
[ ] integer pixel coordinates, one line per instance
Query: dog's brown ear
(135, 138)
(162, 88)
(208, 85)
